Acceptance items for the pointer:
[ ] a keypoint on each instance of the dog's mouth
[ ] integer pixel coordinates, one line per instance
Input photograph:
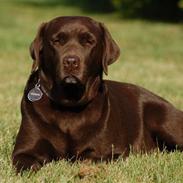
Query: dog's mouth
(69, 91)
(73, 89)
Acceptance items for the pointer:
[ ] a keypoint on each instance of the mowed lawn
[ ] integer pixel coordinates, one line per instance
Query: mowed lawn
(151, 56)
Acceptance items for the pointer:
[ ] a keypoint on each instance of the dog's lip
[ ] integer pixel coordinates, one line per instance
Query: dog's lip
(70, 80)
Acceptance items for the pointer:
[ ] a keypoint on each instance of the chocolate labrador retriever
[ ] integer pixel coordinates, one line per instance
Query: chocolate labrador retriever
(69, 111)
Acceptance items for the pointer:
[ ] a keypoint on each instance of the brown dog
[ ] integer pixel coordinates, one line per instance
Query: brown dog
(69, 111)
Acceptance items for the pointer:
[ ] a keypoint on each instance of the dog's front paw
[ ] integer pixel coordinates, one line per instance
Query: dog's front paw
(25, 162)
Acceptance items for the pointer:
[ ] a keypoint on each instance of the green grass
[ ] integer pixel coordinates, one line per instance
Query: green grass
(152, 56)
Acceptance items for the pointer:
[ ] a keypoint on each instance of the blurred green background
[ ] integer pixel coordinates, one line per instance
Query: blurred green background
(150, 36)
(166, 10)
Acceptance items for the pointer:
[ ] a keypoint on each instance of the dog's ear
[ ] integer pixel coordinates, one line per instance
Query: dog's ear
(36, 47)
(111, 50)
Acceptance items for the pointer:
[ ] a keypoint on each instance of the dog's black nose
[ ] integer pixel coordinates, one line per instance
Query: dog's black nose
(71, 61)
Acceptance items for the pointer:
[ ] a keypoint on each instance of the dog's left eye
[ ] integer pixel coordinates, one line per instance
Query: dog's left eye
(86, 39)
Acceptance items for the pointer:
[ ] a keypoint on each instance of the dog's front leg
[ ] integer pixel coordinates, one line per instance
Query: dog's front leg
(31, 149)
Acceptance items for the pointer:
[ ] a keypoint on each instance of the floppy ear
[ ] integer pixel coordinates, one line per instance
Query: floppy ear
(111, 50)
(36, 46)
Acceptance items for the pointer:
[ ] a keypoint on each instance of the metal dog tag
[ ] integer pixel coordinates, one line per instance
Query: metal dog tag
(35, 94)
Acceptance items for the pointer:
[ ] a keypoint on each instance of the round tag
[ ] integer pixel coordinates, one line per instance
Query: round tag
(34, 94)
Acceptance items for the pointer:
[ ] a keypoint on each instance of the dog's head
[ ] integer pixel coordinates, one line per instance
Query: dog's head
(70, 54)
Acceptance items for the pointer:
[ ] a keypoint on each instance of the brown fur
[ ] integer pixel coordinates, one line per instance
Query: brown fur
(91, 118)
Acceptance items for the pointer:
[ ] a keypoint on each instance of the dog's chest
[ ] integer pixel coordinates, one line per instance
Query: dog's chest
(73, 123)
(86, 139)
(87, 136)
(81, 133)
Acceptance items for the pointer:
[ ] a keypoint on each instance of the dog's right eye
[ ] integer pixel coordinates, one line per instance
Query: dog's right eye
(55, 40)
(60, 39)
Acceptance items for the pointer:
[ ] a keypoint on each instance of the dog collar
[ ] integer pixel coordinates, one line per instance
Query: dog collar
(35, 93)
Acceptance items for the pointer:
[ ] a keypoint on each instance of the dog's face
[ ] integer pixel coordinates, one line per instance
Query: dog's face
(71, 53)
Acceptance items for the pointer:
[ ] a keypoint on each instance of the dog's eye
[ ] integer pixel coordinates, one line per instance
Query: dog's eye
(86, 39)
(55, 41)
(60, 39)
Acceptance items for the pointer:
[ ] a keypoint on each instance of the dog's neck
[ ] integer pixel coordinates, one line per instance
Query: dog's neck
(93, 86)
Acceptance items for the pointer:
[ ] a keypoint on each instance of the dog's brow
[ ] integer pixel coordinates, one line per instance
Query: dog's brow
(59, 34)
(88, 34)
(74, 27)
